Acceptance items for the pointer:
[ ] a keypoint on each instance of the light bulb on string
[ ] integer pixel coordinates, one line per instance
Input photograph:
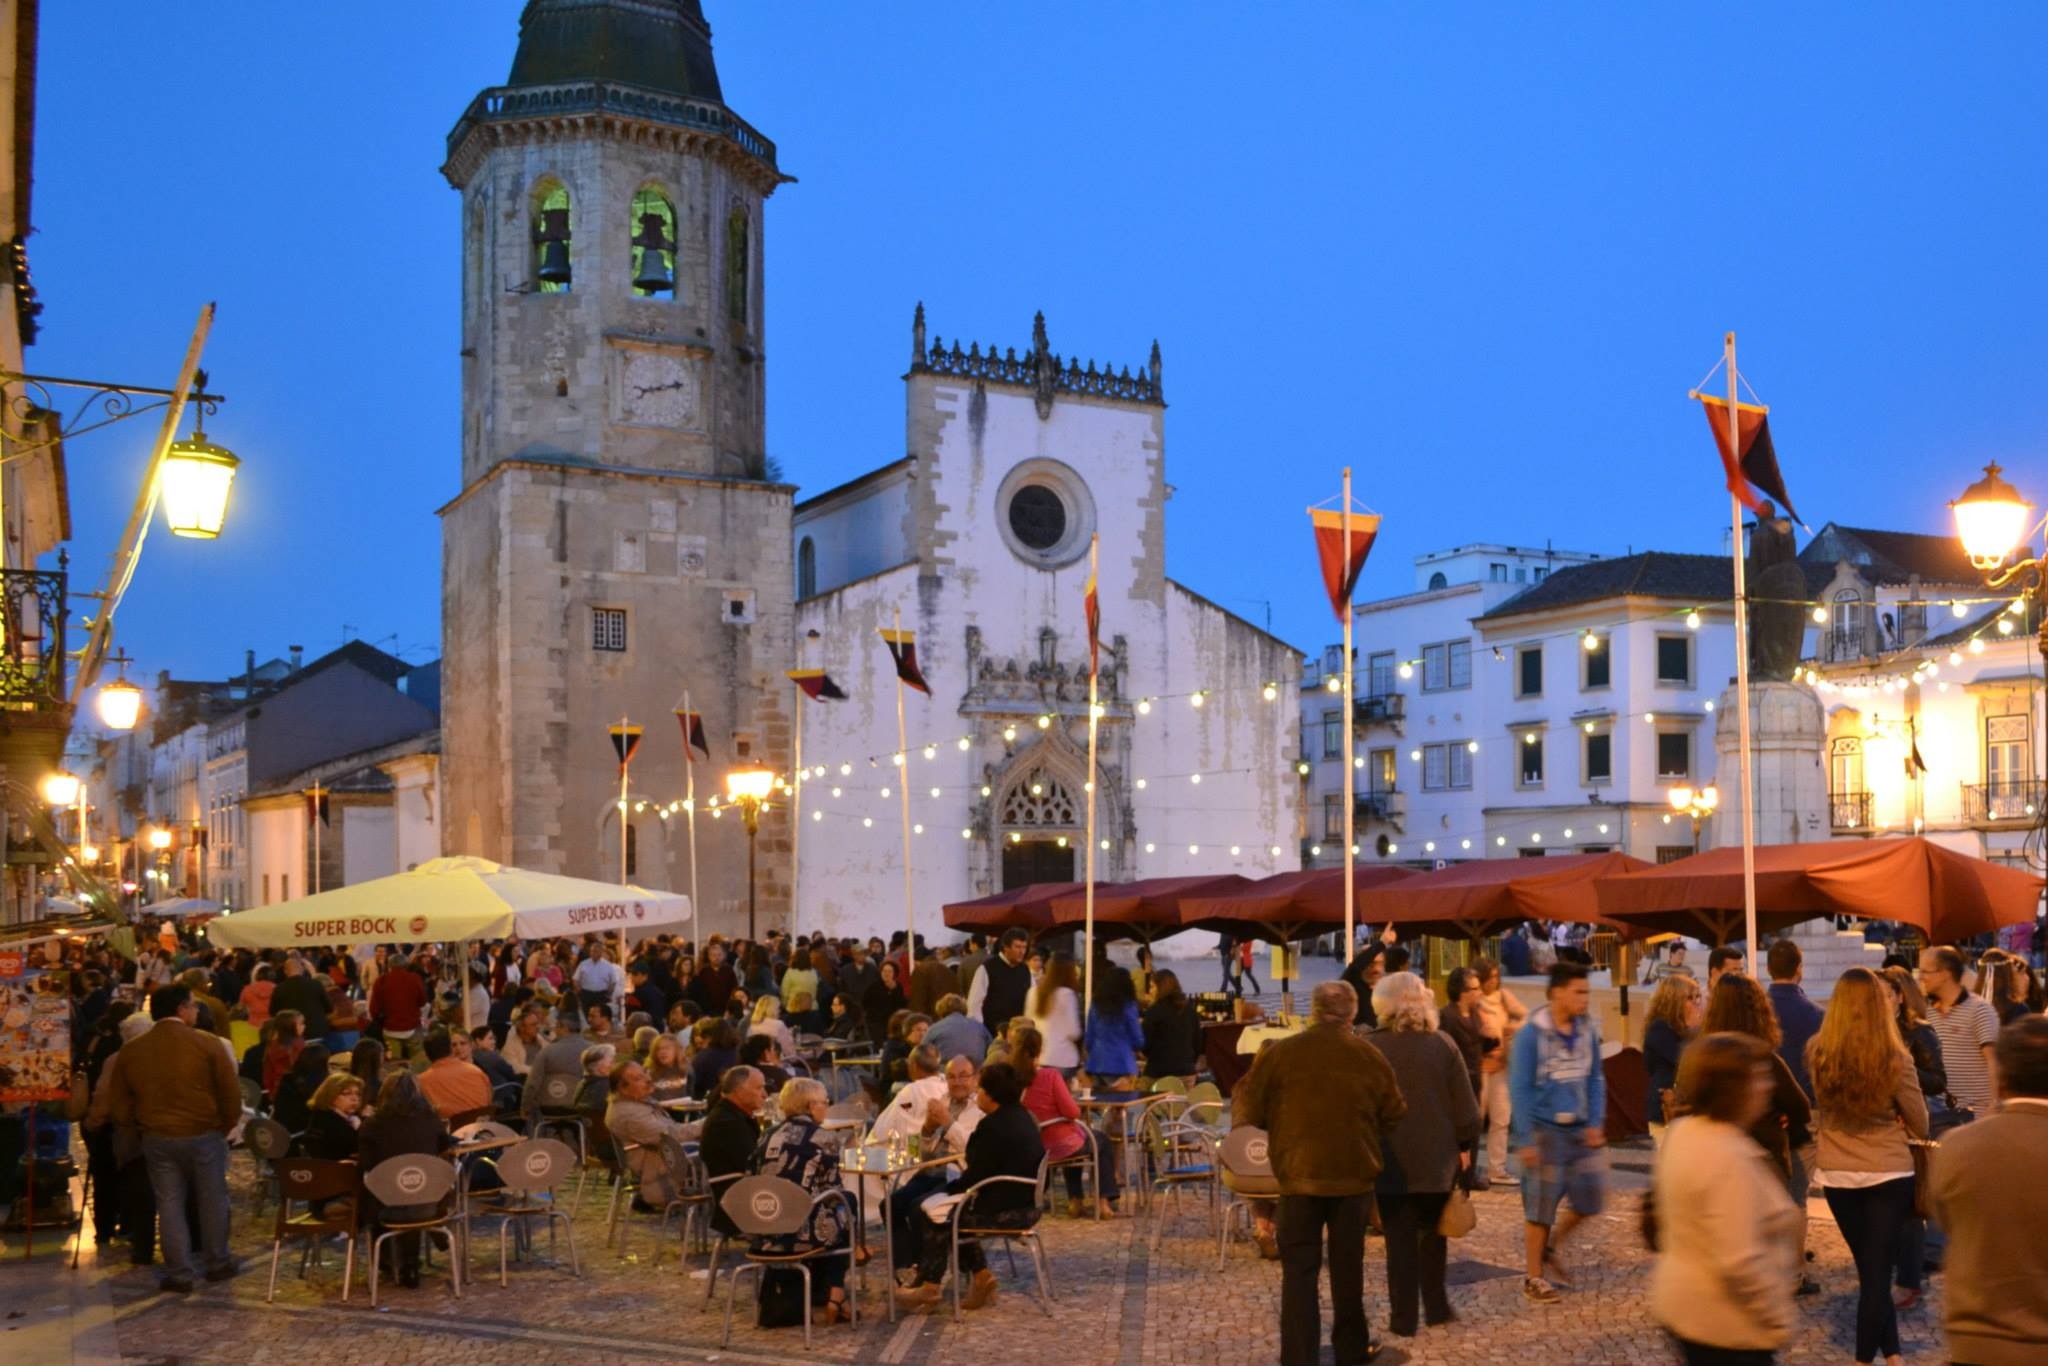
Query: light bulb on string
(1194, 848)
(1650, 717)
(985, 790)
(1150, 848)
(1045, 721)
(935, 792)
(965, 744)
(1269, 692)
(846, 770)
(1196, 698)
(1144, 706)
(1820, 615)
(817, 815)
(1336, 684)
(837, 790)
(1464, 844)
(1314, 850)
(1429, 846)
(1406, 670)
(867, 822)
(1274, 851)
(1009, 733)
(1105, 844)
(885, 792)
(1567, 832)
(1603, 828)
(931, 751)
(1692, 620)
(1140, 784)
(1500, 841)
(1976, 645)
(1358, 762)
(1708, 704)
(1301, 767)
(1955, 657)
(1957, 609)
(1194, 779)
(1392, 848)
(1415, 756)
(896, 759)
(966, 833)
(917, 829)
(1536, 838)
(1234, 851)
(1471, 746)
(2005, 626)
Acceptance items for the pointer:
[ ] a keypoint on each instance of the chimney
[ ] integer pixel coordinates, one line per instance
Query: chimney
(298, 657)
(248, 672)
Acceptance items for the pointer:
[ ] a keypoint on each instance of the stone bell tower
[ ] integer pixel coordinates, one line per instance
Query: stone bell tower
(620, 537)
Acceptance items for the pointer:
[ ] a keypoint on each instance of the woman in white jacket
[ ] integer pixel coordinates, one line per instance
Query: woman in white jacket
(1727, 1236)
(1056, 1010)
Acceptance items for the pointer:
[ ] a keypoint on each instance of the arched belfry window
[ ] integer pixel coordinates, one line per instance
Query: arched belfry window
(806, 568)
(738, 241)
(654, 245)
(551, 245)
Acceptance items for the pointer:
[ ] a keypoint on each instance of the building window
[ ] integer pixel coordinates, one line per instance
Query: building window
(284, 886)
(1599, 758)
(737, 281)
(1435, 768)
(1599, 666)
(1674, 660)
(2005, 754)
(652, 233)
(1529, 671)
(806, 568)
(608, 628)
(1447, 665)
(1538, 575)
(1333, 660)
(1529, 769)
(1038, 517)
(1379, 673)
(1912, 622)
(266, 889)
(1674, 754)
(1461, 764)
(1845, 629)
(1672, 853)
(551, 244)
(1437, 580)
(1461, 663)
(1333, 734)
(1333, 817)
(1497, 573)
(1379, 770)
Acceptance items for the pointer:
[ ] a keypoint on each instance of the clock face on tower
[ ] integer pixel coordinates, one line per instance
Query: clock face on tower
(653, 389)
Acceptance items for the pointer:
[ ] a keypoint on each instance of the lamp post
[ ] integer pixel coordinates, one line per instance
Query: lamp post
(1994, 522)
(1697, 804)
(748, 789)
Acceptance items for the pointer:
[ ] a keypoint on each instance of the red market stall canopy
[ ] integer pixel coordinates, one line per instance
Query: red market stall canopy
(1020, 908)
(1145, 910)
(1946, 895)
(1287, 906)
(1485, 896)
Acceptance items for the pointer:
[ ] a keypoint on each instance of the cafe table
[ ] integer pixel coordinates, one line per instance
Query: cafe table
(473, 1145)
(1128, 1109)
(889, 1166)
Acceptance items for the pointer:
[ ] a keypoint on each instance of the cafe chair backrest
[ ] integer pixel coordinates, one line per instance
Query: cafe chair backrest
(305, 1178)
(267, 1138)
(410, 1179)
(1244, 1152)
(252, 1095)
(485, 1131)
(684, 1170)
(767, 1206)
(558, 1091)
(539, 1164)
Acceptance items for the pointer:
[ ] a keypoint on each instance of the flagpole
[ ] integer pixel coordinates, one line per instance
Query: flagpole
(1350, 745)
(1088, 862)
(1742, 669)
(316, 839)
(625, 772)
(903, 786)
(690, 812)
(796, 801)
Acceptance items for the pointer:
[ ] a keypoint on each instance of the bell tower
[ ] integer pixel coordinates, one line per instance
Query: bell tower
(620, 538)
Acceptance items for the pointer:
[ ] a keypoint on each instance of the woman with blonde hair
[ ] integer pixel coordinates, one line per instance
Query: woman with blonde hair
(1869, 1103)
(1675, 1012)
(1423, 1157)
(668, 1069)
(767, 1019)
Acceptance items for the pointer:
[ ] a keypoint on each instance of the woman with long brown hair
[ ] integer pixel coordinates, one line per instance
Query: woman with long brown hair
(1738, 1005)
(1056, 1011)
(1869, 1102)
(1909, 1009)
(1675, 1012)
(1060, 1124)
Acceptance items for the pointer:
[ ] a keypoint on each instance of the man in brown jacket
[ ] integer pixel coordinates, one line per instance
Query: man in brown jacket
(933, 979)
(1984, 1194)
(1323, 1097)
(178, 1088)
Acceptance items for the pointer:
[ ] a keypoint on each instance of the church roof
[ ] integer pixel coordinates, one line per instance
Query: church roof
(1890, 557)
(660, 45)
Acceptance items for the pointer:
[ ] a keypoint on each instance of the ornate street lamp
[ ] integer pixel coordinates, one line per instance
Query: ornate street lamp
(1992, 522)
(748, 789)
(1697, 804)
(60, 788)
(160, 839)
(195, 481)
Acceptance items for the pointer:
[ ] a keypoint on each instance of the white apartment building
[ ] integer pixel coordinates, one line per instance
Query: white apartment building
(1415, 685)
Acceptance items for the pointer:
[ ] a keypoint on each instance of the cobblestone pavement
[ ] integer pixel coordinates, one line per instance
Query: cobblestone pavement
(1130, 1292)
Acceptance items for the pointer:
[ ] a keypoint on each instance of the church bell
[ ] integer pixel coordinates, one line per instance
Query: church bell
(554, 249)
(655, 276)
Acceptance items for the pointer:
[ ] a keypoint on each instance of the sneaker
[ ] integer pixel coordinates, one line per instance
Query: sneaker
(227, 1271)
(981, 1291)
(918, 1296)
(1536, 1290)
(1559, 1272)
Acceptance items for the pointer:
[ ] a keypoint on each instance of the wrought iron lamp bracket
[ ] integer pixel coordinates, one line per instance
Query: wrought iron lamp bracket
(105, 403)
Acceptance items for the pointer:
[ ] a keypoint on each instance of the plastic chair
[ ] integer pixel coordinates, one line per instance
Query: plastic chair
(303, 1180)
(253, 1099)
(1030, 1236)
(1169, 1085)
(770, 1207)
(1247, 1175)
(1083, 1157)
(1190, 1150)
(414, 1179)
(692, 1186)
(268, 1143)
(711, 1185)
(625, 1189)
(532, 1172)
(558, 1111)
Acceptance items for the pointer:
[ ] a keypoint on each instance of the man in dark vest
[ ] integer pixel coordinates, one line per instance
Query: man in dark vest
(1003, 986)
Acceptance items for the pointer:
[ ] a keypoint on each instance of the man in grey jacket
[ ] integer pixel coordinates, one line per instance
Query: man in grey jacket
(562, 1058)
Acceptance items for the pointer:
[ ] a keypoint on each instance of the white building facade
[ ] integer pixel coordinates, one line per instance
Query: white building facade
(979, 543)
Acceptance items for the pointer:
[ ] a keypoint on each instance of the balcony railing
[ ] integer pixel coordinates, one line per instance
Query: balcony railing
(1389, 808)
(32, 650)
(1999, 803)
(1386, 708)
(1849, 810)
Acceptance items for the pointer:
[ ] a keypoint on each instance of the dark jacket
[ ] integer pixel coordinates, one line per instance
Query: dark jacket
(1008, 989)
(1471, 1043)
(1798, 1021)
(1005, 1143)
(1324, 1097)
(494, 1065)
(1173, 1039)
(726, 1145)
(386, 1135)
(878, 1006)
(707, 1067)
(1421, 1152)
(328, 1137)
(307, 994)
(1925, 1046)
(712, 988)
(1661, 1047)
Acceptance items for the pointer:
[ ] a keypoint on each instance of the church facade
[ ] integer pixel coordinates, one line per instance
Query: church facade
(620, 542)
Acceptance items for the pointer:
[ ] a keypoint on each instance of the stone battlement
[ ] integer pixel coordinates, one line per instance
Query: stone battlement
(1039, 368)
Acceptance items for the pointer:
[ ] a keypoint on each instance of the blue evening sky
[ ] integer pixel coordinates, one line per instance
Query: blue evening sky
(1478, 252)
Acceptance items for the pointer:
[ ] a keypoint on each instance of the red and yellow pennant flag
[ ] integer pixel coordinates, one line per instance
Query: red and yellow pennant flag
(817, 685)
(903, 649)
(625, 739)
(1342, 563)
(1091, 604)
(693, 736)
(1751, 464)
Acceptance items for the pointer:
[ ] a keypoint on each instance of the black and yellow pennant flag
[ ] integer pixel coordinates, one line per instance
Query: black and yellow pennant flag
(625, 740)
(817, 685)
(903, 649)
(694, 743)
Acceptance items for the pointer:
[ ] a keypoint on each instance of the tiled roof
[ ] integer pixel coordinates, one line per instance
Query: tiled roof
(1890, 557)
(1650, 574)
(1985, 624)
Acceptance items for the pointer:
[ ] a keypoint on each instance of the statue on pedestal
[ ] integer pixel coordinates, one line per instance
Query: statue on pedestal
(1777, 597)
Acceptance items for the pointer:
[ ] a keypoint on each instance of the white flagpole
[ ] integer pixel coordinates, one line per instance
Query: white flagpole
(690, 814)
(1088, 861)
(625, 778)
(1350, 742)
(1742, 670)
(316, 839)
(903, 787)
(796, 804)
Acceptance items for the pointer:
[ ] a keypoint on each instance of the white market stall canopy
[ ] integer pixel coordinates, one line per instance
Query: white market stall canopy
(180, 906)
(452, 900)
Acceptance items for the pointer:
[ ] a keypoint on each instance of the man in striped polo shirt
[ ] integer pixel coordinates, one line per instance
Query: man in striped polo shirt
(1966, 1025)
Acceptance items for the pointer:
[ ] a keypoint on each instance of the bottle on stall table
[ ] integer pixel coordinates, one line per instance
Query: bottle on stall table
(916, 1142)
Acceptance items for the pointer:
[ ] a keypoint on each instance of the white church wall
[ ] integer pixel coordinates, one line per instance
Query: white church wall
(855, 530)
